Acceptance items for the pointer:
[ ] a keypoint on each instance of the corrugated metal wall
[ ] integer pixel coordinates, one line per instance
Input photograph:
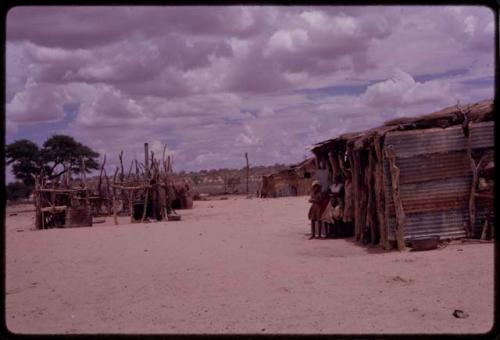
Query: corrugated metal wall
(435, 180)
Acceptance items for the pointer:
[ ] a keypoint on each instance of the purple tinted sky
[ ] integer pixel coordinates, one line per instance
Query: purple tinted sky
(216, 82)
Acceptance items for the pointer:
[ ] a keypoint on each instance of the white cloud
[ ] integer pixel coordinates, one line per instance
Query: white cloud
(39, 103)
(219, 82)
(402, 90)
(289, 41)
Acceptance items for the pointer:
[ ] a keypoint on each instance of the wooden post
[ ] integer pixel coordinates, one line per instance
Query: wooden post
(354, 192)
(108, 194)
(145, 205)
(485, 226)
(370, 186)
(120, 157)
(379, 193)
(38, 202)
(130, 206)
(398, 205)
(99, 185)
(146, 159)
(472, 198)
(248, 169)
(115, 218)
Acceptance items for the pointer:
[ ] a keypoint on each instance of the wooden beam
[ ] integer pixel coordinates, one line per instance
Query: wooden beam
(55, 208)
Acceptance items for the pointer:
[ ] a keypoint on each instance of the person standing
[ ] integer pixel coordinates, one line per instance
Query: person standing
(316, 200)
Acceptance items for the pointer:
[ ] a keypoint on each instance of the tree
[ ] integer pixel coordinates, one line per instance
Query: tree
(58, 151)
(64, 150)
(25, 157)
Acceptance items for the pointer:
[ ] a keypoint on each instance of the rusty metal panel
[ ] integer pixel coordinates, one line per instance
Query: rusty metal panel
(445, 224)
(431, 167)
(437, 140)
(435, 180)
(437, 195)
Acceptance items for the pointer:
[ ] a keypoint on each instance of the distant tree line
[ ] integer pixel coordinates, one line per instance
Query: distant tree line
(231, 178)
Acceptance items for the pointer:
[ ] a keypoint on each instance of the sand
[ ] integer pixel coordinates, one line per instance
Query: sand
(236, 266)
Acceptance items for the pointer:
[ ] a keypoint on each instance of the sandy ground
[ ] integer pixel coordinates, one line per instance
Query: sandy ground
(236, 266)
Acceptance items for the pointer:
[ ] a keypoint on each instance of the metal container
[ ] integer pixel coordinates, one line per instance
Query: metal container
(427, 243)
(174, 217)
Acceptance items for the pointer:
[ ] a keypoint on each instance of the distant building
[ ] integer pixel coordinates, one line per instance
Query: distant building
(293, 181)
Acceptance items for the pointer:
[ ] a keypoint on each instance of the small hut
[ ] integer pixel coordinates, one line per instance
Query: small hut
(61, 206)
(420, 177)
(296, 180)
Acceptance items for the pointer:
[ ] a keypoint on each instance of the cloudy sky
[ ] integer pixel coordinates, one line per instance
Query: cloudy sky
(216, 82)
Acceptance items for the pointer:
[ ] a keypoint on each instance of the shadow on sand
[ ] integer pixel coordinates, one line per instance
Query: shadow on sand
(368, 248)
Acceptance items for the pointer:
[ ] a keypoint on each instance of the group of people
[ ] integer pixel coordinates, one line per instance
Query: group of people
(330, 210)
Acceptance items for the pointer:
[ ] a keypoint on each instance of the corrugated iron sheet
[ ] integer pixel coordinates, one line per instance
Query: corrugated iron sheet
(437, 195)
(435, 180)
(437, 140)
(431, 167)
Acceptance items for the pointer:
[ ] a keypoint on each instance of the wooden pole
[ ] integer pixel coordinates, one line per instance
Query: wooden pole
(38, 201)
(472, 197)
(354, 192)
(107, 193)
(248, 169)
(379, 193)
(145, 206)
(99, 185)
(120, 156)
(369, 183)
(163, 155)
(130, 198)
(146, 159)
(398, 205)
(115, 218)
